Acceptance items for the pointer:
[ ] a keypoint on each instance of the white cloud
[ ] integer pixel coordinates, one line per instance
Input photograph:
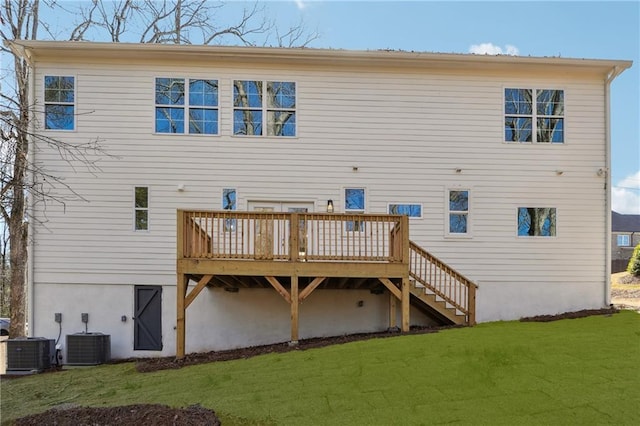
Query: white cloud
(625, 196)
(492, 49)
(301, 4)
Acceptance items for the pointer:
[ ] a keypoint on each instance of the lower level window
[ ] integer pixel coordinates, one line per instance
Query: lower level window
(411, 210)
(458, 206)
(536, 222)
(354, 203)
(141, 208)
(229, 203)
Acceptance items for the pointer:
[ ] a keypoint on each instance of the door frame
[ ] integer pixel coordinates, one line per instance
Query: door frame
(280, 206)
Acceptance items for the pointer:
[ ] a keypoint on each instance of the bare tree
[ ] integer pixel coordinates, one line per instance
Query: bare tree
(20, 175)
(179, 22)
(145, 21)
(19, 20)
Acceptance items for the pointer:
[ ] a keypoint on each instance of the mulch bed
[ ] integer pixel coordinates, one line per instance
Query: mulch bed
(571, 315)
(138, 415)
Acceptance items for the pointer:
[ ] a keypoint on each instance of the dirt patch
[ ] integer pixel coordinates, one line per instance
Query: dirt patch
(625, 292)
(571, 315)
(139, 415)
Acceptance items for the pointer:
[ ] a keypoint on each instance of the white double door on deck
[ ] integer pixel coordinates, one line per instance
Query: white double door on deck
(271, 238)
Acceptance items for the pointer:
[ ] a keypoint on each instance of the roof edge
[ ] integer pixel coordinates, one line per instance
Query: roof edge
(40, 47)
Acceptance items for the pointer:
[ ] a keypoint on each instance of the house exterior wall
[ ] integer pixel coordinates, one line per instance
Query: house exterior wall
(406, 131)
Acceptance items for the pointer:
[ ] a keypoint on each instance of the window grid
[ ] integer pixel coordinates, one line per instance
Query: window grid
(458, 212)
(260, 105)
(534, 115)
(186, 106)
(59, 102)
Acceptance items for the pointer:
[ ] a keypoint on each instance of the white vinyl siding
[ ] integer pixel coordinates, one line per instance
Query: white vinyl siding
(400, 133)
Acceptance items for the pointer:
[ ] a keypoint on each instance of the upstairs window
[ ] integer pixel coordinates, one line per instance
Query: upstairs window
(264, 108)
(534, 115)
(536, 222)
(141, 208)
(458, 212)
(190, 107)
(59, 102)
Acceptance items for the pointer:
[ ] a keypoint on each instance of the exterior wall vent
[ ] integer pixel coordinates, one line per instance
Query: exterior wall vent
(88, 348)
(30, 354)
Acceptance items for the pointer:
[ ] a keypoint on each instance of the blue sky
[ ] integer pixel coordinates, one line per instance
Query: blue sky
(573, 29)
(600, 30)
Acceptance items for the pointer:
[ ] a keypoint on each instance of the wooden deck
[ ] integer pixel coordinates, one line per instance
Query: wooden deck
(297, 253)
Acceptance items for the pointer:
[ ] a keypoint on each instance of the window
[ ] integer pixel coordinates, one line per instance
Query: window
(229, 203)
(141, 208)
(59, 102)
(258, 104)
(624, 241)
(534, 115)
(536, 222)
(196, 102)
(411, 210)
(354, 202)
(458, 207)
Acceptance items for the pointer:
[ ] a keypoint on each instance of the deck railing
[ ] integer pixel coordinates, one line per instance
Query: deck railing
(292, 236)
(443, 281)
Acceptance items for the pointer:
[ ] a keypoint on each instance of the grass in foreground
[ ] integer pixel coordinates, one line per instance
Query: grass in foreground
(581, 371)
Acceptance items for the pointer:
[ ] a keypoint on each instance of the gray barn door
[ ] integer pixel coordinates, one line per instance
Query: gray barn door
(147, 332)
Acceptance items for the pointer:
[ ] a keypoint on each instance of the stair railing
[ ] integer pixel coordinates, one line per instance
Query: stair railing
(443, 281)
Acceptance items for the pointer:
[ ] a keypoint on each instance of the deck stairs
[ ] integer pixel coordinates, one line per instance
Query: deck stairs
(439, 291)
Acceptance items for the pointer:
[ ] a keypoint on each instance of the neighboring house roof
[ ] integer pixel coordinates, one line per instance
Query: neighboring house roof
(310, 56)
(625, 222)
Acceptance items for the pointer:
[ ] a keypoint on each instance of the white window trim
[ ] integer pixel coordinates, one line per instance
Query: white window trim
(186, 107)
(456, 235)
(533, 118)
(628, 238)
(537, 237)
(264, 109)
(148, 209)
(353, 211)
(407, 204)
(74, 103)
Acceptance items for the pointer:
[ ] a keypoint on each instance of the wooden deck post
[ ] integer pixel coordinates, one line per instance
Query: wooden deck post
(405, 304)
(406, 285)
(393, 311)
(294, 310)
(471, 301)
(294, 236)
(181, 316)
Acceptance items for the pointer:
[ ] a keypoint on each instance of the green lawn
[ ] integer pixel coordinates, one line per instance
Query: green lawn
(582, 371)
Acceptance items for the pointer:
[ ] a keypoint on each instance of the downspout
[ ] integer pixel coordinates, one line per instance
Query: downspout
(31, 201)
(615, 71)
